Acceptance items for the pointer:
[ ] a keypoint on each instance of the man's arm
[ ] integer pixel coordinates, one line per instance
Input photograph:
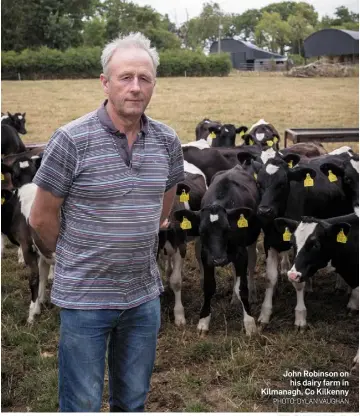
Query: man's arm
(44, 217)
(168, 202)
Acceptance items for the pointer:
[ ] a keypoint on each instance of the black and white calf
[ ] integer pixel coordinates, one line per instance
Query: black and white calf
(317, 242)
(264, 134)
(16, 120)
(348, 170)
(225, 135)
(22, 168)
(226, 227)
(10, 140)
(15, 211)
(292, 192)
(173, 240)
(202, 129)
(208, 161)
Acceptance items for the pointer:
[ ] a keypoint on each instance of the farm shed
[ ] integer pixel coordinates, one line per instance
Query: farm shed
(247, 56)
(340, 43)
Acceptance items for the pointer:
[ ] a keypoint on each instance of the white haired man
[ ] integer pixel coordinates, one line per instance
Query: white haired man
(106, 182)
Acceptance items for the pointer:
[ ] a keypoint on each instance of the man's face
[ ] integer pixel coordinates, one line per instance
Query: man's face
(130, 81)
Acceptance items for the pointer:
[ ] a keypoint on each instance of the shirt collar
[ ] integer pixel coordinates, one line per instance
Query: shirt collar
(107, 123)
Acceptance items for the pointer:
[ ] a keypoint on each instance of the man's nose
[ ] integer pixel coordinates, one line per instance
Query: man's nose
(135, 85)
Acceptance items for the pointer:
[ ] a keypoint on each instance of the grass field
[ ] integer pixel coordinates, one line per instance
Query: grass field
(226, 370)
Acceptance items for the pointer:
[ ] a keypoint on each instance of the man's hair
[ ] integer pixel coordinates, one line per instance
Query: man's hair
(133, 40)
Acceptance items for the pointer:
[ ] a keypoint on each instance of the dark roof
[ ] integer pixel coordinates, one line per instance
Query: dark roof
(332, 42)
(353, 33)
(252, 46)
(249, 45)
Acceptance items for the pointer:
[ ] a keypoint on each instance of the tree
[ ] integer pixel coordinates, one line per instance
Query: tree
(122, 18)
(299, 30)
(344, 15)
(245, 24)
(345, 19)
(94, 32)
(273, 32)
(34, 23)
(201, 31)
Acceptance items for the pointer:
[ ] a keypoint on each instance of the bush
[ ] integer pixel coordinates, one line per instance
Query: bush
(84, 62)
(297, 59)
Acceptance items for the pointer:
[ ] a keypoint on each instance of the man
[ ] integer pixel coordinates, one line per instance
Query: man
(107, 180)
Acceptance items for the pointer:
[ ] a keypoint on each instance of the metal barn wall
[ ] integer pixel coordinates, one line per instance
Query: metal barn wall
(330, 42)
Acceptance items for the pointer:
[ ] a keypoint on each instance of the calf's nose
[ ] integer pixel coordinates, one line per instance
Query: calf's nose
(294, 276)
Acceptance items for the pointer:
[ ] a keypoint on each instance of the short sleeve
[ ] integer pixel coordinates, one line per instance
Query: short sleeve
(58, 165)
(176, 170)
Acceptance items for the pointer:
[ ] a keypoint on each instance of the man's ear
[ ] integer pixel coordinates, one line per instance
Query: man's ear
(104, 82)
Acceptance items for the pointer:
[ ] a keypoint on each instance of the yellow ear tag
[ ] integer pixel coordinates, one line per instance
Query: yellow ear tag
(242, 133)
(212, 135)
(2, 177)
(287, 235)
(255, 176)
(290, 164)
(275, 139)
(2, 200)
(309, 181)
(332, 177)
(184, 197)
(242, 222)
(251, 142)
(341, 237)
(185, 224)
(269, 143)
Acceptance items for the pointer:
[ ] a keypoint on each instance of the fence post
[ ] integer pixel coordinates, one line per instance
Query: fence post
(19, 77)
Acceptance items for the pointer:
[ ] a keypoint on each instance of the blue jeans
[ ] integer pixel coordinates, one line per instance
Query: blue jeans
(84, 334)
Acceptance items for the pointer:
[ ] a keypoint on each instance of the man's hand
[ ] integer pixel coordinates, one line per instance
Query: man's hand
(165, 224)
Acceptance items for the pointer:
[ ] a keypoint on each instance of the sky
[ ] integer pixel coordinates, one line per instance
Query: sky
(180, 10)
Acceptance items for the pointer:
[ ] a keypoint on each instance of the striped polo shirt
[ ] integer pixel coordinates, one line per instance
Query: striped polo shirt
(107, 245)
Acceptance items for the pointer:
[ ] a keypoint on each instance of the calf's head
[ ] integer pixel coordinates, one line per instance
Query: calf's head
(314, 241)
(349, 172)
(273, 179)
(221, 230)
(18, 121)
(225, 135)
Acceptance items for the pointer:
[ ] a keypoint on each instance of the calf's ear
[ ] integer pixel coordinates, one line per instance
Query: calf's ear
(338, 232)
(241, 129)
(248, 139)
(282, 223)
(188, 221)
(245, 157)
(298, 173)
(256, 165)
(234, 215)
(182, 187)
(214, 129)
(291, 158)
(334, 167)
